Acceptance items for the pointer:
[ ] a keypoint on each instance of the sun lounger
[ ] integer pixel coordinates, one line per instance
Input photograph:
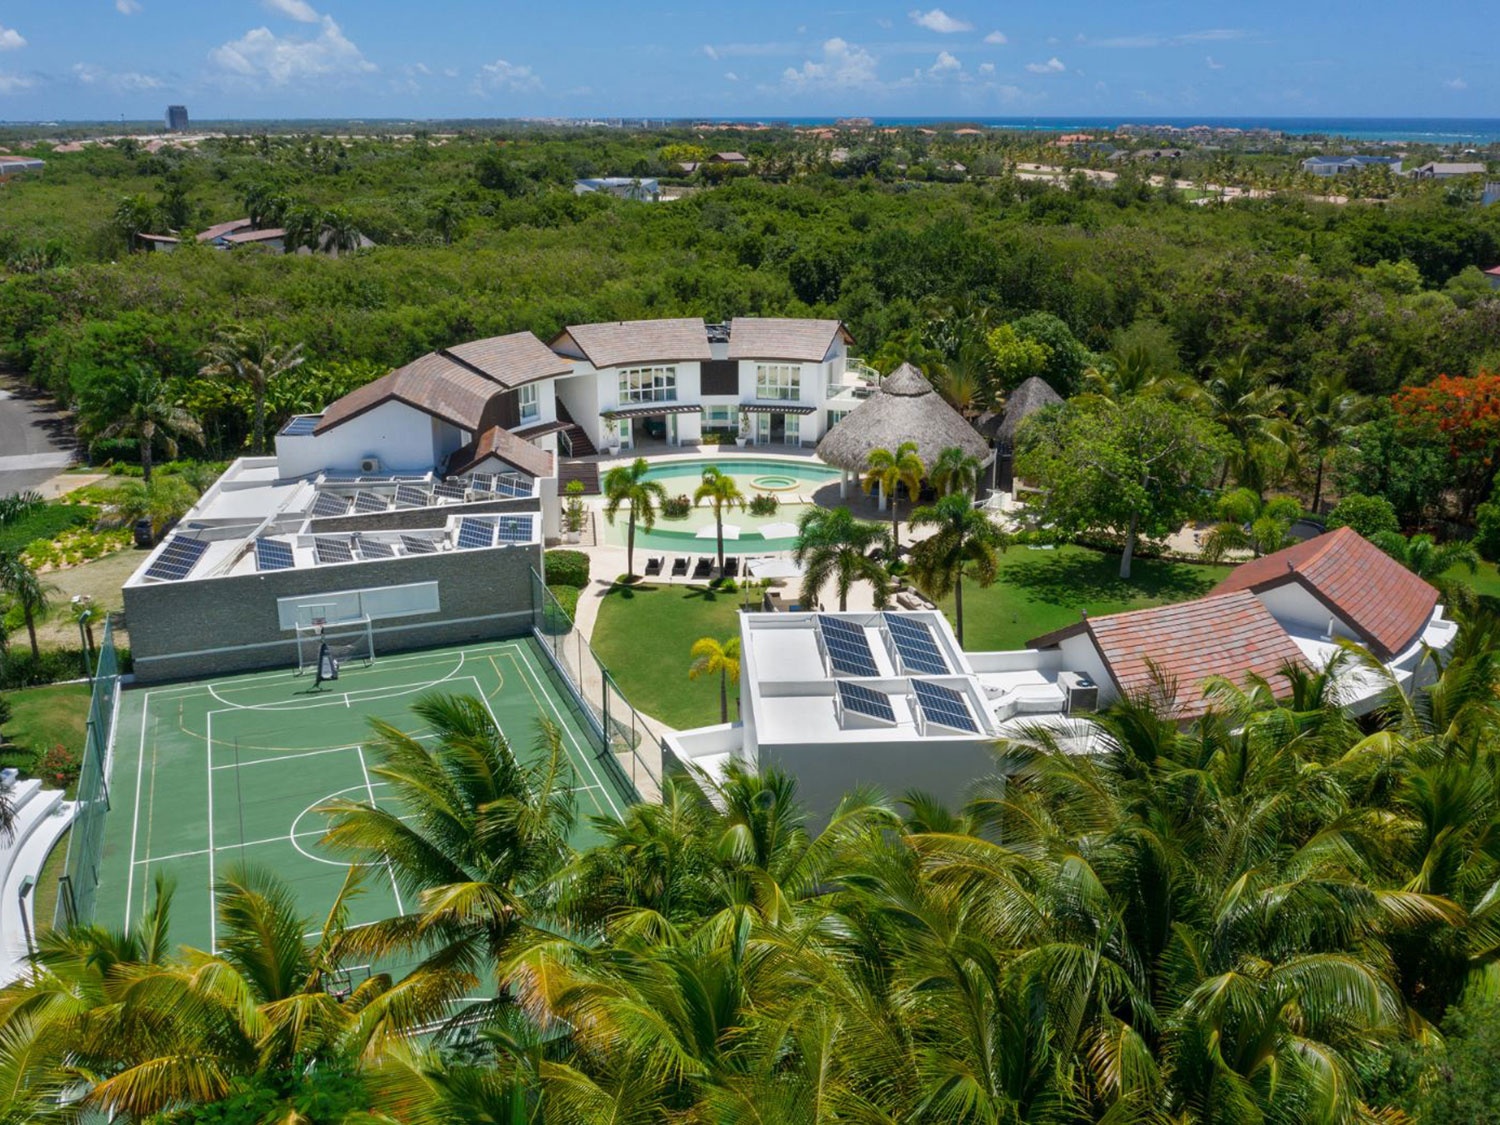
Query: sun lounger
(653, 566)
(680, 567)
(731, 567)
(703, 569)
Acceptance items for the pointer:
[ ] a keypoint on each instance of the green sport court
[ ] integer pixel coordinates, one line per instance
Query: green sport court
(209, 773)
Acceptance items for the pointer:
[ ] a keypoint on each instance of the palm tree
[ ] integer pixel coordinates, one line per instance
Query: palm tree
(963, 539)
(133, 216)
(138, 403)
(1425, 557)
(628, 485)
(721, 491)
(721, 658)
(1241, 398)
(339, 229)
(248, 356)
(954, 471)
(448, 217)
(887, 470)
(304, 227)
(1325, 415)
(27, 590)
(833, 544)
(1248, 523)
(161, 501)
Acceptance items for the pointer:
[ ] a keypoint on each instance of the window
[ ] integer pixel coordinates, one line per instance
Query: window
(721, 420)
(778, 380)
(529, 399)
(836, 416)
(648, 384)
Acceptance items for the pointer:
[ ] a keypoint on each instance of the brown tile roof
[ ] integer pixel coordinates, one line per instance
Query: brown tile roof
(636, 341)
(220, 229)
(431, 384)
(510, 360)
(766, 337)
(504, 446)
(1230, 635)
(1386, 604)
(265, 235)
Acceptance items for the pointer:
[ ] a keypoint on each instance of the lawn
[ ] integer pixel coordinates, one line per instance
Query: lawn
(643, 635)
(1486, 581)
(1038, 591)
(43, 717)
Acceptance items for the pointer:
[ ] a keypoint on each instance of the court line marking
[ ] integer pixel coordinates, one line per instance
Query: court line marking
(135, 822)
(378, 693)
(213, 902)
(525, 660)
(370, 789)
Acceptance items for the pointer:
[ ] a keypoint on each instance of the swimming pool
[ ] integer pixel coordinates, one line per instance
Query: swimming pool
(747, 470)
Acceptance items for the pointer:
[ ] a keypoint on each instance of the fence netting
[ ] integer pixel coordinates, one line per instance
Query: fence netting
(80, 878)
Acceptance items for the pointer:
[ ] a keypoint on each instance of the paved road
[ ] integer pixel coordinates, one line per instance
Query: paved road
(35, 438)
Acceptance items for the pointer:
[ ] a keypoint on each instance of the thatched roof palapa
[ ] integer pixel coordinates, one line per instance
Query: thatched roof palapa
(1031, 396)
(906, 408)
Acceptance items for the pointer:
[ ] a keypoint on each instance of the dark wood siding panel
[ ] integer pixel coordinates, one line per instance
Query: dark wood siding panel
(721, 377)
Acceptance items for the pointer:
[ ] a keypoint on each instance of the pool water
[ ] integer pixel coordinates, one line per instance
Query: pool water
(747, 469)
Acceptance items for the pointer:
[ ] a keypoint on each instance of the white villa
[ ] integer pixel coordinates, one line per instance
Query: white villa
(890, 700)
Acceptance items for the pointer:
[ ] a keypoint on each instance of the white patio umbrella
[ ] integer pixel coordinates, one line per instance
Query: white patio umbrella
(731, 531)
(779, 530)
(775, 568)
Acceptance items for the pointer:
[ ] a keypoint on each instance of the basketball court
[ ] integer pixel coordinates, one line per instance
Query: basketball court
(210, 773)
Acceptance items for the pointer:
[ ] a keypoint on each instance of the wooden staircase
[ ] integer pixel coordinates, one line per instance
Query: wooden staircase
(585, 471)
(576, 437)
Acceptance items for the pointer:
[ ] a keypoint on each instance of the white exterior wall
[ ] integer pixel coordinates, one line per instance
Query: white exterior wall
(1080, 655)
(401, 437)
(1296, 608)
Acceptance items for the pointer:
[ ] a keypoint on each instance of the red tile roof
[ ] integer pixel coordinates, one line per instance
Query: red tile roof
(504, 446)
(1382, 601)
(432, 384)
(769, 337)
(510, 360)
(218, 230)
(636, 341)
(265, 235)
(1230, 635)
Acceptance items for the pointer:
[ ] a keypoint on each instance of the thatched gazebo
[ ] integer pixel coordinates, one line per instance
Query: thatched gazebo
(1031, 396)
(905, 408)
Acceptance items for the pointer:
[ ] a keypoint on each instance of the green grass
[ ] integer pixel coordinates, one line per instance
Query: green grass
(1486, 581)
(43, 717)
(643, 635)
(44, 897)
(567, 599)
(45, 522)
(1038, 591)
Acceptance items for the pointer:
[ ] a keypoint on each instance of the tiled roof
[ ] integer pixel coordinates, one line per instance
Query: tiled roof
(265, 235)
(636, 341)
(510, 360)
(767, 337)
(505, 446)
(1386, 604)
(432, 384)
(218, 230)
(1230, 635)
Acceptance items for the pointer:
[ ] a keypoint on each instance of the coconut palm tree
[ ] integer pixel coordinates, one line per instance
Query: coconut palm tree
(339, 231)
(720, 490)
(1425, 557)
(955, 471)
(714, 657)
(1241, 398)
(963, 539)
(1249, 523)
(138, 403)
(831, 543)
(886, 470)
(28, 591)
(247, 355)
(161, 501)
(627, 485)
(1325, 415)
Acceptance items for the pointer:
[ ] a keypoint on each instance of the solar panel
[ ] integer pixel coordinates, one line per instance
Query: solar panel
(914, 642)
(514, 529)
(864, 701)
(331, 550)
(418, 545)
(411, 496)
(273, 554)
(366, 501)
(450, 490)
(848, 647)
(301, 425)
(331, 504)
(475, 533)
(512, 485)
(375, 548)
(177, 558)
(943, 705)
(482, 482)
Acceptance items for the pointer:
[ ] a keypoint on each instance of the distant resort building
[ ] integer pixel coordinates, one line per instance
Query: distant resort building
(238, 233)
(1348, 165)
(1441, 170)
(20, 165)
(621, 187)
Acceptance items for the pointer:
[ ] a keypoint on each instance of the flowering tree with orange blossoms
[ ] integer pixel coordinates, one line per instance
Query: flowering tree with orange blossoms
(1463, 413)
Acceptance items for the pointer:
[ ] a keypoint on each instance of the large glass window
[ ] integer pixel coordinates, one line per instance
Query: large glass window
(529, 399)
(778, 380)
(648, 384)
(722, 420)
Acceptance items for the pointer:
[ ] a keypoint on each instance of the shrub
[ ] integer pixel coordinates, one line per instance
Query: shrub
(676, 507)
(1487, 530)
(18, 505)
(18, 669)
(567, 599)
(1368, 515)
(567, 568)
(45, 522)
(57, 768)
(764, 504)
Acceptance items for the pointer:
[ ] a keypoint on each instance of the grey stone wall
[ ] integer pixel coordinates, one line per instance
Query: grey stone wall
(213, 626)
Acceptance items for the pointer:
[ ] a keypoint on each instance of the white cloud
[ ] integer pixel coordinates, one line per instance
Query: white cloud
(502, 75)
(11, 39)
(944, 64)
(1212, 65)
(1051, 66)
(15, 83)
(731, 76)
(939, 21)
(1456, 84)
(1146, 40)
(843, 64)
(997, 38)
(127, 7)
(450, 72)
(708, 49)
(282, 59)
(299, 10)
(881, 21)
(129, 81)
(987, 68)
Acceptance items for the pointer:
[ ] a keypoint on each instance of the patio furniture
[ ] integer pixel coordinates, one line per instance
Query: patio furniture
(703, 570)
(731, 567)
(654, 565)
(680, 567)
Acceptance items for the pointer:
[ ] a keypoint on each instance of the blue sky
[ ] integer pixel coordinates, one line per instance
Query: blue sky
(62, 59)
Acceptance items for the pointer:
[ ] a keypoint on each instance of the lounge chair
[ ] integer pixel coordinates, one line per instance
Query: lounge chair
(680, 567)
(731, 567)
(653, 566)
(703, 569)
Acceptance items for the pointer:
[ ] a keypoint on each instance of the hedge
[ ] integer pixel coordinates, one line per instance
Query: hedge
(19, 669)
(567, 568)
(46, 522)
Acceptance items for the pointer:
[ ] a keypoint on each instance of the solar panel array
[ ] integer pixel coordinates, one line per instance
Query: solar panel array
(411, 496)
(375, 549)
(418, 545)
(943, 705)
(848, 647)
(302, 425)
(330, 550)
(366, 501)
(331, 504)
(514, 529)
(474, 533)
(177, 558)
(865, 701)
(915, 645)
(450, 490)
(482, 482)
(273, 554)
(512, 485)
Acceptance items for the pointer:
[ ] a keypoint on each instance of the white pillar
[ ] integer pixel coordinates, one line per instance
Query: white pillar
(843, 484)
(882, 496)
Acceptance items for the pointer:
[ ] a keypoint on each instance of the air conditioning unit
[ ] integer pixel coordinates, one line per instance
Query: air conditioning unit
(369, 464)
